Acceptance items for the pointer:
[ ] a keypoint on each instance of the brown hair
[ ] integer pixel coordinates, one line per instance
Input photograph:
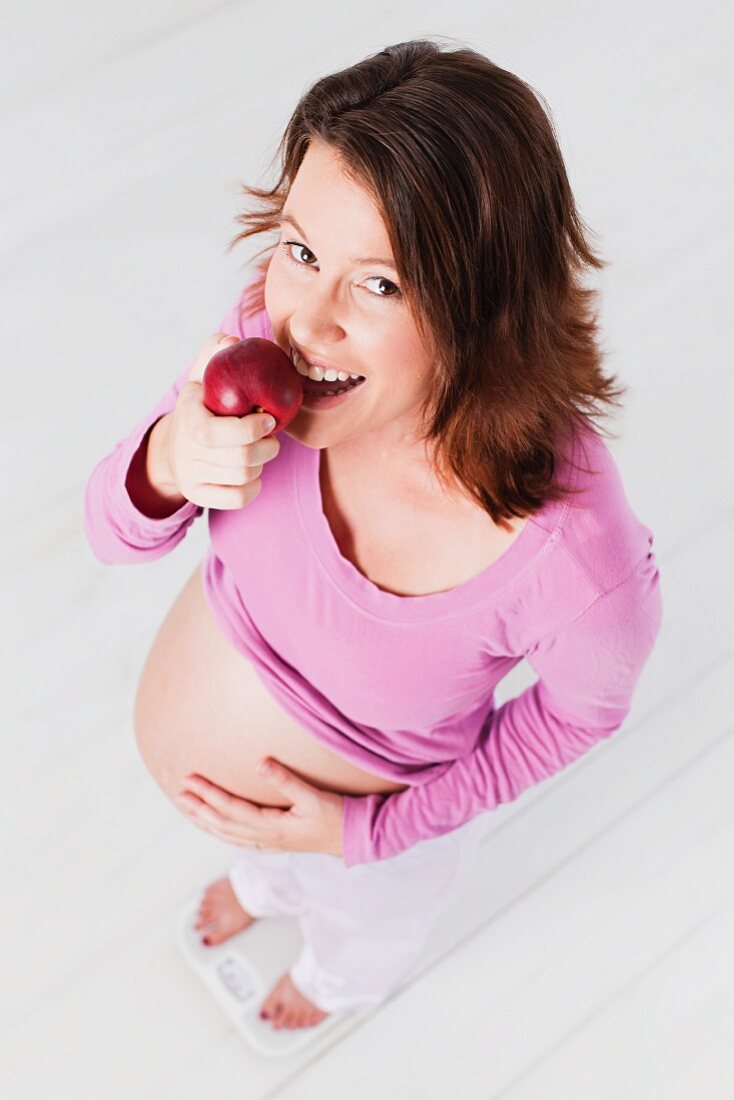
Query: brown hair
(463, 163)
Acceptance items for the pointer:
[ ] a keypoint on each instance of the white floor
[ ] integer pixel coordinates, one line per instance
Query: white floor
(592, 956)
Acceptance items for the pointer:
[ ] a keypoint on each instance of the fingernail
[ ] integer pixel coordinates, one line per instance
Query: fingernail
(269, 423)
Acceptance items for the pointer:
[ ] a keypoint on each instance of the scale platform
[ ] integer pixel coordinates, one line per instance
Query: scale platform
(241, 971)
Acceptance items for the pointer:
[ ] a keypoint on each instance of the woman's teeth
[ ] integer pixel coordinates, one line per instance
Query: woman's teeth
(317, 374)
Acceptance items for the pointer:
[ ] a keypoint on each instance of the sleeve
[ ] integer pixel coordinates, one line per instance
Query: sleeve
(587, 672)
(116, 530)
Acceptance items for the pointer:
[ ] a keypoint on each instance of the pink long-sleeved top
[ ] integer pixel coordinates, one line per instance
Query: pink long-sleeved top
(404, 686)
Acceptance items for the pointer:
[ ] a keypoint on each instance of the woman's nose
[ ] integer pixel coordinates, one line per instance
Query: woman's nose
(315, 322)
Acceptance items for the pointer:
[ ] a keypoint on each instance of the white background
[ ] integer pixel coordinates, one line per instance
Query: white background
(592, 955)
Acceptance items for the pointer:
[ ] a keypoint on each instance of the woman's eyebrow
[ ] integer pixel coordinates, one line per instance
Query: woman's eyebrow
(284, 217)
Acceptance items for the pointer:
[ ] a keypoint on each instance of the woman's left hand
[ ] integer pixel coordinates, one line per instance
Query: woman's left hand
(313, 823)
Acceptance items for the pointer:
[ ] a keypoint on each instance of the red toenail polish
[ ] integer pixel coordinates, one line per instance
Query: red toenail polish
(206, 940)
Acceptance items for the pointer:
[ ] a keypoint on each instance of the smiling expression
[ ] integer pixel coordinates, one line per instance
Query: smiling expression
(333, 291)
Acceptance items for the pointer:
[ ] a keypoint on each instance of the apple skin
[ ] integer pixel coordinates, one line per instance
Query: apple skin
(252, 376)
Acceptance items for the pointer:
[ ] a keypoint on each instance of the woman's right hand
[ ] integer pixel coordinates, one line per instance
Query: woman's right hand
(216, 461)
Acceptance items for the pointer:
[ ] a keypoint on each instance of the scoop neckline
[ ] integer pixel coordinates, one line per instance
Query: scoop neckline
(532, 544)
(534, 541)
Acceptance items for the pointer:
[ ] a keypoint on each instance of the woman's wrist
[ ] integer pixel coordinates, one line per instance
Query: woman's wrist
(149, 482)
(158, 465)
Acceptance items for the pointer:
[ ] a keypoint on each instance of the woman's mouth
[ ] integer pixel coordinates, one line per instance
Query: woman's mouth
(325, 395)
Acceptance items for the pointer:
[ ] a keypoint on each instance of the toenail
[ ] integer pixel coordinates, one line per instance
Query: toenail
(207, 941)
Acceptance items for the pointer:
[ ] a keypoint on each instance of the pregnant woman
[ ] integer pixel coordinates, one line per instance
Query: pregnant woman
(440, 508)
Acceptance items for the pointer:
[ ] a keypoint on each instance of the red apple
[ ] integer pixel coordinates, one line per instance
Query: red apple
(252, 376)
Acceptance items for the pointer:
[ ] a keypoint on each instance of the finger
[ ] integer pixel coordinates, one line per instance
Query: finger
(291, 785)
(229, 831)
(221, 833)
(269, 834)
(210, 347)
(207, 790)
(193, 805)
(225, 497)
(225, 475)
(212, 822)
(248, 454)
(212, 431)
(230, 806)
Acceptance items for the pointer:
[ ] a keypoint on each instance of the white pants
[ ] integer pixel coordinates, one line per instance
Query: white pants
(363, 927)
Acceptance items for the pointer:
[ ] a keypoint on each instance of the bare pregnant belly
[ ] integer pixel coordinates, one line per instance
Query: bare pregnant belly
(201, 707)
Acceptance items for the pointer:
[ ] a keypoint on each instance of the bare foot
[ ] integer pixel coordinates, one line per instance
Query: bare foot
(221, 913)
(286, 1006)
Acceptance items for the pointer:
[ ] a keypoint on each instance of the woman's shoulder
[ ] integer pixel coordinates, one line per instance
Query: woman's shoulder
(601, 531)
(595, 545)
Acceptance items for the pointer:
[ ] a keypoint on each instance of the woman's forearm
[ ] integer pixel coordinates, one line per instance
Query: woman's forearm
(149, 480)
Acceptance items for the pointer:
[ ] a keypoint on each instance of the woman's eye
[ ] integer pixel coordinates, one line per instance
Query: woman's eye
(287, 245)
(382, 279)
(289, 254)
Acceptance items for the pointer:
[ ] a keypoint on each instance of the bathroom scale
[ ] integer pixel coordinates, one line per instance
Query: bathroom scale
(240, 972)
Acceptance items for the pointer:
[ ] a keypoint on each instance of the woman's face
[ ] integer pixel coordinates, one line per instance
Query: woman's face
(324, 300)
